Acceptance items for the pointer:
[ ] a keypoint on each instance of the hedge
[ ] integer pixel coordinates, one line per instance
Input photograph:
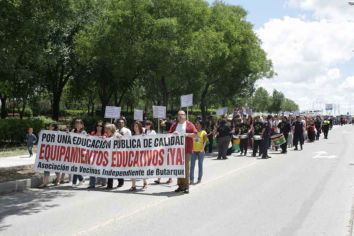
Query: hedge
(13, 131)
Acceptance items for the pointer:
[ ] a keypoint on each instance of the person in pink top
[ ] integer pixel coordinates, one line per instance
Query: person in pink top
(183, 126)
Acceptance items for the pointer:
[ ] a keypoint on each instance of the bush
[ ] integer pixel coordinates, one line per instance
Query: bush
(28, 112)
(13, 131)
(72, 113)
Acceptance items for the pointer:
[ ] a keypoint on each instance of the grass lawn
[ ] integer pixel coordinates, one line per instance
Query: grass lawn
(15, 151)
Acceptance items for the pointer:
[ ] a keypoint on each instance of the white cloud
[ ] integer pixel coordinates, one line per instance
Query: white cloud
(334, 10)
(308, 54)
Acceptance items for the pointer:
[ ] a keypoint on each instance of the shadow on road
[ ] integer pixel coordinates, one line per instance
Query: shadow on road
(28, 203)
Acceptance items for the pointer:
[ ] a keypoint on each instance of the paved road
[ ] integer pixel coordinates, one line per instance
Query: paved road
(302, 193)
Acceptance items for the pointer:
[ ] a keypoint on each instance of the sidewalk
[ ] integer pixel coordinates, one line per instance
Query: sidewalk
(15, 161)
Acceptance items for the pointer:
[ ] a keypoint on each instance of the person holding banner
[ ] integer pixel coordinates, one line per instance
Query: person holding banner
(199, 142)
(149, 130)
(53, 127)
(121, 129)
(99, 131)
(137, 130)
(183, 126)
(121, 132)
(79, 129)
(110, 131)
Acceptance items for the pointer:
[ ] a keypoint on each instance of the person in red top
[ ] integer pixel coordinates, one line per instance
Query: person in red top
(183, 126)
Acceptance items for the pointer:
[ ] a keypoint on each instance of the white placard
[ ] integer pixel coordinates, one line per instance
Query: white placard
(286, 113)
(221, 111)
(138, 114)
(159, 112)
(187, 100)
(329, 107)
(112, 112)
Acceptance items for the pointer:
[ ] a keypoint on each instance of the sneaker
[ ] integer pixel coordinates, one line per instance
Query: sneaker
(186, 191)
(81, 183)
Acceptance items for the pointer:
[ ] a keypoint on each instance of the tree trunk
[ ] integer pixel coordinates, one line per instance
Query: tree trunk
(164, 91)
(3, 100)
(56, 105)
(24, 103)
(203, 102)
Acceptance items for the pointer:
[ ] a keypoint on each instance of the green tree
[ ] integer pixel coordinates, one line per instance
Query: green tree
(227, 56)
(289, 105)
(277, 101)
(260, 100)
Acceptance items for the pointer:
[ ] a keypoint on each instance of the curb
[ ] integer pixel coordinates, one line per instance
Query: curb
(21, 185)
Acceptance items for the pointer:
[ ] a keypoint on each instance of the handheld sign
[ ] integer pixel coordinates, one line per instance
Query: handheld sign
(112, 112)
(159, 112)
(187, 100)
(138, 114)
(221, 111)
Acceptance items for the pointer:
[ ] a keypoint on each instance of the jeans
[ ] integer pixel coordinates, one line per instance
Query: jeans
(30, 150)
(99, 180)
(75, 177)
(200, 157)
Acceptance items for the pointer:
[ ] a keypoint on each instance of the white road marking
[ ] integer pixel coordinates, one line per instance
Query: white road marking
(323, 155)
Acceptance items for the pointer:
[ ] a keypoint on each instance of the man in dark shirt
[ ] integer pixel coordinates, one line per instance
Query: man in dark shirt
(243, 130)
(325, 127)
(266, 137)
(257, 131)
(298, 133)
(284, 127)
(318, 125)
(223, 139)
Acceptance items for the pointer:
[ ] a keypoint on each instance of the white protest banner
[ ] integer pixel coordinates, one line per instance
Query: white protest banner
(159, 112)
(221, 111)
(112, 112)
(187, 100)
(147, 156)
(138, 114)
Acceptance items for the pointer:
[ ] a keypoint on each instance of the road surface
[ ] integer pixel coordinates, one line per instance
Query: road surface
(307, 192)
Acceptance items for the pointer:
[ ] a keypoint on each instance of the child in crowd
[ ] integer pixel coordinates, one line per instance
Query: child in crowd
(31, 140)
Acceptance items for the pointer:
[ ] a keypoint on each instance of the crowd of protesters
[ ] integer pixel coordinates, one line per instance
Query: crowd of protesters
(235, 133)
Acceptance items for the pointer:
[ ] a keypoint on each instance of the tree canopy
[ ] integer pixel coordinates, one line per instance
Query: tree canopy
(130, 53)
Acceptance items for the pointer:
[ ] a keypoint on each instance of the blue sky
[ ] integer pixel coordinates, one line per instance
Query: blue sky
(259, 12)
